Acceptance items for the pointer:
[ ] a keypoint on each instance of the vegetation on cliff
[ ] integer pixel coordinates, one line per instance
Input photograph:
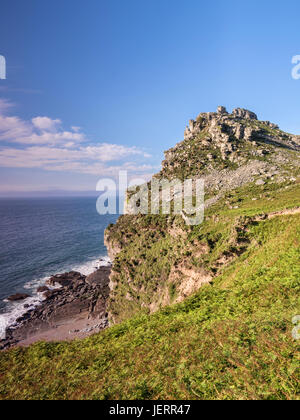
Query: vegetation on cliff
(202, 312)
(159, 259)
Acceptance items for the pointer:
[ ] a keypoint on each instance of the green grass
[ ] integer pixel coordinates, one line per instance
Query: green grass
(231, 340)
(150, 250)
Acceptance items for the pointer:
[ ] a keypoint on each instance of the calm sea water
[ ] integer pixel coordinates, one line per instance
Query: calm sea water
(42, 237)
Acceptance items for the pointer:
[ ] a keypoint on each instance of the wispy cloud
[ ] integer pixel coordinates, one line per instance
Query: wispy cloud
(7, 89)
(40, 130)
(46, 123)
(43, 143)
(5, 105)
(85, 159)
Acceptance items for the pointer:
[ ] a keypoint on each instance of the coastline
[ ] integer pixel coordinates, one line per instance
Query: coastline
(73, 306)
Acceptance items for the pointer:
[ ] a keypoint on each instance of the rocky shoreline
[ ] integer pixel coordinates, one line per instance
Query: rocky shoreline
(76, 308)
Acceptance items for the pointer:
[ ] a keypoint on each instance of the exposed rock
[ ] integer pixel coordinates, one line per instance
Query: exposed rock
(66, 279)
(219, 140)
(42, 289)
(240, 131)
(18, 297)
(113, 249)
(79, 296)
(98, 277)
(271, 125)
(244, 114)
(228, 152)
(222, 110)
(49, 294)
(249, 133)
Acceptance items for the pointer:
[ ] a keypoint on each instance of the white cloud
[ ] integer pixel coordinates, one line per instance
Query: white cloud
(59, 159)
(5, 105)
(13, 128)
(43, 143)
(75, 128)
(106, 152)
(50, 138)
(46, 124)
(83, 160)
(41, 130)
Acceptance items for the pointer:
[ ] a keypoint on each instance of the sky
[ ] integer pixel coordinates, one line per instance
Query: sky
(97, 86)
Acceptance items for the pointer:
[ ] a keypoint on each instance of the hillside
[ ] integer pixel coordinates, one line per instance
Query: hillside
(202, 312)
(159, 260)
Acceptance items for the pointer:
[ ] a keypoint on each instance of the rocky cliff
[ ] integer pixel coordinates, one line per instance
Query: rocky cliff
(235, 279)
(217, 141)
(158, 259)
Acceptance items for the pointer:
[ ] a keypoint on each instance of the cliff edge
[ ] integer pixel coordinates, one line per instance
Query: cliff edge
(158, 259)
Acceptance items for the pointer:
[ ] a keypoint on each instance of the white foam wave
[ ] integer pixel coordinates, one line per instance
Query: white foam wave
(90, 266)
(16, 309)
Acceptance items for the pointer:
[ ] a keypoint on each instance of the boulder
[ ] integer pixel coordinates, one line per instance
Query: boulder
(17, 297)
(222, 110)
(249, 133)
(99, 277)
(244, 114)
(260, 182)
(66, 279)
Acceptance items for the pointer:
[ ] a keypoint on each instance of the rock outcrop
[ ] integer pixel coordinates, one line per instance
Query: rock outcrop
(79, 298)
(244, 114)
(17, 297)
(222, 140)
(156, 262)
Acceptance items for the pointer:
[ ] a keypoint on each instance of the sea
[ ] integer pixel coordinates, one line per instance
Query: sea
(40, 237)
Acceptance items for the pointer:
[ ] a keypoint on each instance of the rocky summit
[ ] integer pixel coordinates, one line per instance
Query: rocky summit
(217, 141)
(238, 157)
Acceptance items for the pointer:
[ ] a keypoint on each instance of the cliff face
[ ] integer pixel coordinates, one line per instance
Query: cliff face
(235, 337)
(246, 165)
(217, 141)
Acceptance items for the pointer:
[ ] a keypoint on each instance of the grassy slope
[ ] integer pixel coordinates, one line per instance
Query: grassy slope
(230, 340)
(149, 251)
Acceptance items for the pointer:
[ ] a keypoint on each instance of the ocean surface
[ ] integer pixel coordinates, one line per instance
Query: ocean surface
(40, 237)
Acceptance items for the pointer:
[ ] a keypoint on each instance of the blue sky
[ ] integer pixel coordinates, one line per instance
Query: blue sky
(96, 86)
